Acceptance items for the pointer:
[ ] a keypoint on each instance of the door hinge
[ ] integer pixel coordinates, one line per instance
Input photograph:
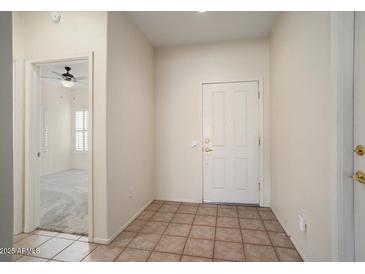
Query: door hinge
(259, 141)
(259, 95)
(259, 186)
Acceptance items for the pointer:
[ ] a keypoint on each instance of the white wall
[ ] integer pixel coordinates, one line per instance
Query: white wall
(61, 103)
(57, 102)
(180, 71)
(300, 123)
(79, 101)
(130, 113)
(37, 37)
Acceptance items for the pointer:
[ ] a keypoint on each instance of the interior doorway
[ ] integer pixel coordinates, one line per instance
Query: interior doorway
(231, 142)
(64, 147)
(58, 187)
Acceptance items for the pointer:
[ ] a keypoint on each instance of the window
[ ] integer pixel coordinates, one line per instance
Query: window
(44, 130)
(81, 131)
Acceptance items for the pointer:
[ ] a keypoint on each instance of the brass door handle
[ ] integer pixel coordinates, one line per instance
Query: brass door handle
(360, 150)
(208, 149)
(359, 176)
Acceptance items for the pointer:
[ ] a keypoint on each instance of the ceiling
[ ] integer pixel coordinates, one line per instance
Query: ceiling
(78, 69)
(169, 28)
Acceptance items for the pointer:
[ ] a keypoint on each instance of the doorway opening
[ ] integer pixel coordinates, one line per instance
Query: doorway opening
(58, 189)
(64, 147)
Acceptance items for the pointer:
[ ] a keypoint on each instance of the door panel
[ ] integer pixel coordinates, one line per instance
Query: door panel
(32, 147)
(240, 116)
(230, 142)
(359, 134)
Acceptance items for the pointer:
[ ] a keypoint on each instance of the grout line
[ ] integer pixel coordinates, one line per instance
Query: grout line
(215, 233)
(120, 253)
(59, 251)
(96, 246)
(180, 205)
(127, 245)
(267, 233)
(243, 246)
(153, 249)
(137, 232)
(187, 238)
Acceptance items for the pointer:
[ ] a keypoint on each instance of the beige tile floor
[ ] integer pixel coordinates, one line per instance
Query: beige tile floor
(173, 231)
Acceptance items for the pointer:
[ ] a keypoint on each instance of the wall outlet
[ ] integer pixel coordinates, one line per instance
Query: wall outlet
(302, 222)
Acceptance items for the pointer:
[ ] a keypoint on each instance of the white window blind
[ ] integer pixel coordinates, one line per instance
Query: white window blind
(81, 131)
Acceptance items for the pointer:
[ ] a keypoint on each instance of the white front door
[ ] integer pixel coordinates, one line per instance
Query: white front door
(231, 142)
(359, 136)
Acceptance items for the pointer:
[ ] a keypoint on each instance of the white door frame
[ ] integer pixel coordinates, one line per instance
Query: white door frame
(342, 48)
(18, 143)
(29, 193)
(260, 82)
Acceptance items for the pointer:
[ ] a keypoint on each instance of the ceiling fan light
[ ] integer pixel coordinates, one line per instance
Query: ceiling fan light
(67, 84)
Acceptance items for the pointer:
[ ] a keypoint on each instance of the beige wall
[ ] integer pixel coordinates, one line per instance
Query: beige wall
(57, 102)
(300, 122)
(36, 37)
(180, 71)
(130, 113)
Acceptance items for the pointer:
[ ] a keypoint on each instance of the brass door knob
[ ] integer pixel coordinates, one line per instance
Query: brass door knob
(360, 150)
(208, 149)
(359, 176)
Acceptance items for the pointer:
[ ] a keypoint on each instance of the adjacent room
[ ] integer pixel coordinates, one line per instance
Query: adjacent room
(64, 147)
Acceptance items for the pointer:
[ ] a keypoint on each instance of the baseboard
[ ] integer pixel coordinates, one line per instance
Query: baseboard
(179, 200)
(287, 232)
(101, 241)
(106, 241)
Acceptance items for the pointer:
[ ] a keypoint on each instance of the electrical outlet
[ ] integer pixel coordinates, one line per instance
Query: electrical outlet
(302, 222)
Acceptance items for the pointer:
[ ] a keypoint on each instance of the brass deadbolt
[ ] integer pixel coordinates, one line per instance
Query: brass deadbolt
(360, 150)
(359, 176)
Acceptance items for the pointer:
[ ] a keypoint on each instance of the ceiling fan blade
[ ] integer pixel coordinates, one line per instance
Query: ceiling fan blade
(53, 78)
(58, 74)
(81, 78)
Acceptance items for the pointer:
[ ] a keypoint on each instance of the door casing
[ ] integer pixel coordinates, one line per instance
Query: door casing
(259, 80)
(342, 213)
(31, 190)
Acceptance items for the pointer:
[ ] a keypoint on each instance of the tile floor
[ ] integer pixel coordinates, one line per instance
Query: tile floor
(172, 231)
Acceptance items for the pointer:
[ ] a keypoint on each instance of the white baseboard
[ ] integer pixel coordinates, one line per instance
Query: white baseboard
(293, 241)
(102, 241)
(106, 241)
(179, 200)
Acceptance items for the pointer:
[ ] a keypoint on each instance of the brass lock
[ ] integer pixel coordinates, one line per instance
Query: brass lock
(359, 176)
(360, 150)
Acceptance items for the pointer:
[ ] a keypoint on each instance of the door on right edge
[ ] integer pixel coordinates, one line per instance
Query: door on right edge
(359, 137)
(231, 159)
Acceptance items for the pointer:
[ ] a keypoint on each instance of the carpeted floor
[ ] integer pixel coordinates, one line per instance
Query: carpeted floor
(64, 202)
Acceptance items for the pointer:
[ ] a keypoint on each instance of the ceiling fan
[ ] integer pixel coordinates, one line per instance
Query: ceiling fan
(67, 79)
